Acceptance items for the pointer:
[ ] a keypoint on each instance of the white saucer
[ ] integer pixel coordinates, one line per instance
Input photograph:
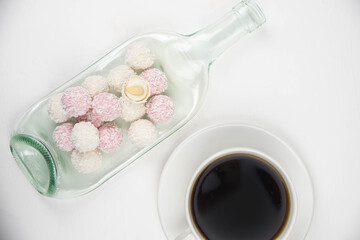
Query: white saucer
(186, 158)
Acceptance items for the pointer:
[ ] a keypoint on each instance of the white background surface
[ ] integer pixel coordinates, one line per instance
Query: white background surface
(299, 76)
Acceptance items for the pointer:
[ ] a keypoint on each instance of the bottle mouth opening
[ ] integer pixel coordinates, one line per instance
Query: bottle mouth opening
(36, 161)
(249, 11)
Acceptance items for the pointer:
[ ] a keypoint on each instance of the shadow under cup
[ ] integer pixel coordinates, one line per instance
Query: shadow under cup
(240, 195)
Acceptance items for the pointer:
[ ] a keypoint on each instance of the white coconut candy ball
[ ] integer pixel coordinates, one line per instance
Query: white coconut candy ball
(142, 133)
(86, 162)
(85, 137)
(118, 76)
(139, 56)
(131, 111)
(55, 109)
(95, 84)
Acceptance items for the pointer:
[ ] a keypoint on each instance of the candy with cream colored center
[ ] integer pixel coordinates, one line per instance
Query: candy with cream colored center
(136, 89)
(86, 162)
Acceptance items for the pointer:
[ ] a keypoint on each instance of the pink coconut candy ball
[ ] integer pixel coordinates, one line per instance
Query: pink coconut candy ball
(90, 117)
(160, 108)
(110, 137)
(106, 106)
(61, 136)
(156, 79)
(76, 101)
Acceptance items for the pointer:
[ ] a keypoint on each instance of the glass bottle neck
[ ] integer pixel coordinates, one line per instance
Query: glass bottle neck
(213, 40)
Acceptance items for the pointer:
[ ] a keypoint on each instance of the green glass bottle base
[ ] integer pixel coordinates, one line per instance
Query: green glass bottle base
(37, 161)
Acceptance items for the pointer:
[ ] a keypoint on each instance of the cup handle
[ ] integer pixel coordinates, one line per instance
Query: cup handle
(186, 235)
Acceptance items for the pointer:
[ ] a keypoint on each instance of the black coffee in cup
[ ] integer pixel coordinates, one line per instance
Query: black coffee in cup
(240, 196)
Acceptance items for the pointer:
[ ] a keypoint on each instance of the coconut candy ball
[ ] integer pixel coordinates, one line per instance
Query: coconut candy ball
(85, 137)
(139, 56)
(160, 108)
(131, 111)
(55, 109)
(136, 89)
(95, 84)
(142, 133)
(86, 162)
(118, 76)
(90, 117)
(110, 137)
(106, 106)
(61, 136)
(76, 101)
(157, 80)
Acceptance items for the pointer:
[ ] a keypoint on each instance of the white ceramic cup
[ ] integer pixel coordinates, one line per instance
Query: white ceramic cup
(193, 232)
